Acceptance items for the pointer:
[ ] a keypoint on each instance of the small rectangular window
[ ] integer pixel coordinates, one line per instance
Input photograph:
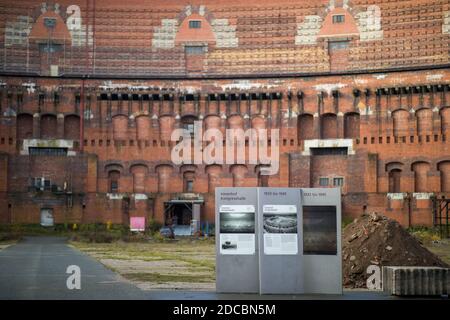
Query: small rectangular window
(338, 182)
(189, 127)
(50, 22)
(338, 45)
(47, 184)
(194, 49)
(189, 186)
(329, 151)
(338, 18)
(323, 182)
(114, 186)
(195, 24)
(37, 183)
(37, 151)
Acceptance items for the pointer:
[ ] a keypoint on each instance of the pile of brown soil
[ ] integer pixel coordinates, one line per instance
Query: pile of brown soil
(374, 239)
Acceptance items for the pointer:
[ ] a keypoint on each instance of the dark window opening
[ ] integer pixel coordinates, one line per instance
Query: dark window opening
(194, 49)
(189, 127)
(188, 124)
(338, 182)
(195, 24)
(323, 182)
(329, 151)
(178, 214)
(337, 45)
(50, 22)
(35, 151)
(339, 18)
(50, 47)
(41, 184)
(113, 177)
(394, 180)
(114, 186)
(189, 186)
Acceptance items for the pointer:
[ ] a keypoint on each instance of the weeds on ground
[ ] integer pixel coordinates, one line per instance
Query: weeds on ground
(425, 234)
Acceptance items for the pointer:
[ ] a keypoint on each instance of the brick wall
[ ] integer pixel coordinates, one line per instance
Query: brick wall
(129, 123)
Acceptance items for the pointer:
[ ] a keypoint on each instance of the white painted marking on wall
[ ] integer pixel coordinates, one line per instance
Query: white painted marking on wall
(225, 33)
(369, 24)
(329, 87)
(433, 77)
(164, 36)
(308, 30)
(446, 23)
(17, 32)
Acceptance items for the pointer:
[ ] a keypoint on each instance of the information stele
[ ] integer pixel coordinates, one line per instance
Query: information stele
(278, 240)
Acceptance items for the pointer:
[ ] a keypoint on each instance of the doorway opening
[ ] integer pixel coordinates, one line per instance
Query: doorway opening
(47, 219)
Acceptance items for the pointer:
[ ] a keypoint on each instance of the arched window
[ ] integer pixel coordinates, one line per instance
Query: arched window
(113, 181)
(351, 125)
(420, 176)
(164, 178)
(394, 180)
(188, 181)
(139, 172)
(48, 127)
(24, 126)
(445, 120)
(424, 121)
(444, 169)
(400, 122)
(120, 127)
(187, 123)
(305, 127)
(143, 125)
(72, 127)
(329, 126)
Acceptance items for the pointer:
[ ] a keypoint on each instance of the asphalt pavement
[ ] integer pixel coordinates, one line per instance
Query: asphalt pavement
(35, 268)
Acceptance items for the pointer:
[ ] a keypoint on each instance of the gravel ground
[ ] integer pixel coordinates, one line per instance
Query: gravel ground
(184, 265)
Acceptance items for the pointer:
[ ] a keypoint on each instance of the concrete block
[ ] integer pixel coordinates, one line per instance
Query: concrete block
(416, 281)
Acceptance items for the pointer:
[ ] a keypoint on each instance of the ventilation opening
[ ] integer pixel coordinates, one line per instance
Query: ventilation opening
(34, 151)
(329, 151)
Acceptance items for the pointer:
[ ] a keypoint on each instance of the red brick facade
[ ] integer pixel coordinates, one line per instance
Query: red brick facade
(368, 109)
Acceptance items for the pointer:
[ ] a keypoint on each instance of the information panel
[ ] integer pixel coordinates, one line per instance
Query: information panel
(280, 259)
(278, 240)
(237, 268)
(237, 229)
(280, 229)
(322, 255)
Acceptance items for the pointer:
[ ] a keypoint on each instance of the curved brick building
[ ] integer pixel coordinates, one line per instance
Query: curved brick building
(90, 92)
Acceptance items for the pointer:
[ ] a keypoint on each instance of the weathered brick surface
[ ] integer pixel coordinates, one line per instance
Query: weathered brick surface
(398, 121)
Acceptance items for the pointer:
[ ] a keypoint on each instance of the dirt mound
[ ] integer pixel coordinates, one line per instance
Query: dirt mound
(374, 239)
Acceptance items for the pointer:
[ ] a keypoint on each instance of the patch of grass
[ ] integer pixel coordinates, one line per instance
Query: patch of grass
(425, 234)
(440, 248)
(164, 278)
(346, 221)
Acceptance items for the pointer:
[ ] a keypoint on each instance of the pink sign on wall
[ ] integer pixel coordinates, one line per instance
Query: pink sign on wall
(137, 223)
